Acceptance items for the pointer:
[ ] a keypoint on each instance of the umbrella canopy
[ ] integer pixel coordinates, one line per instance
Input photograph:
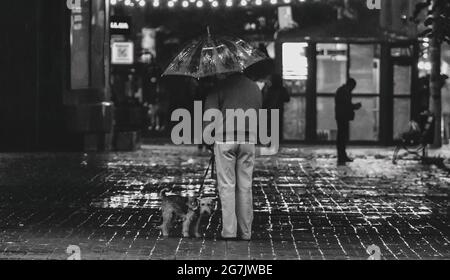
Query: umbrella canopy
(210, 56)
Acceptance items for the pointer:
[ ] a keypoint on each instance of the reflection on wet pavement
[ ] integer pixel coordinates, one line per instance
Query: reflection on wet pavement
(305, 207)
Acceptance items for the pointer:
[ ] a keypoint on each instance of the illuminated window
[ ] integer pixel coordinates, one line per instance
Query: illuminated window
(331, 67)
(295, 75)
(365, 68)
(295, 61)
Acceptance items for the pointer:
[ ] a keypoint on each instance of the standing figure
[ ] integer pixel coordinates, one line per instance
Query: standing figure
(345, 113)
(275, 97)
(235, 158)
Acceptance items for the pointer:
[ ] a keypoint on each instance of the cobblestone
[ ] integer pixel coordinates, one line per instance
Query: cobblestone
(305, 206)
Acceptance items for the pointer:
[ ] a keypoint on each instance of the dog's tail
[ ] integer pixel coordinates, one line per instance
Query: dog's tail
(163, 192)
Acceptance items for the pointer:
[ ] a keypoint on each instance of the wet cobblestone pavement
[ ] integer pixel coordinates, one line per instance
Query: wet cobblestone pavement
(305, 207)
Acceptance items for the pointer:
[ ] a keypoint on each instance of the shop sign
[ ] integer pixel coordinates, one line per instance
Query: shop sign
(122, 53)
(120, 25)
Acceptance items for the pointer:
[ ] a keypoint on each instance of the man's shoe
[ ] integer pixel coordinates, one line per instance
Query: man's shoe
(349, 160)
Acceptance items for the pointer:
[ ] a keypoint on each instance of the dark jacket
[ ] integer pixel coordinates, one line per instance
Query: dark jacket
(275, 98)
(235, 92)
(345, 109)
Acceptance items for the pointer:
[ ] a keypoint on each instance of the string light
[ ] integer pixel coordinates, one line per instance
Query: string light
(202, 3)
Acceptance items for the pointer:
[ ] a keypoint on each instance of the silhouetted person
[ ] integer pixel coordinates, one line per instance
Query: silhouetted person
(275, 96)
(345, 113)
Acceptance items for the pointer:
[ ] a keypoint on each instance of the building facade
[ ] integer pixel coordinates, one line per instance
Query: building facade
(54, 71)
(58, 93)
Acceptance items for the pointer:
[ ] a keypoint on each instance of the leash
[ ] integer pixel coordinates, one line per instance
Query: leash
(211, 166)
(212, 161)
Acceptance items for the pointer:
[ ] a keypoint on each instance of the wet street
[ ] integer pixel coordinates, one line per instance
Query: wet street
(305, 206)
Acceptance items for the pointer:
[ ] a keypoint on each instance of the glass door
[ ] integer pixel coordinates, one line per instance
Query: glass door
(336, 63)
(295, 76)
(332, 72)
(402, 98)
(365, 69)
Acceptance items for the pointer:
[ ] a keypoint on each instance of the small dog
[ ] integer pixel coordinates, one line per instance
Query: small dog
(207, 206)
(188, 209)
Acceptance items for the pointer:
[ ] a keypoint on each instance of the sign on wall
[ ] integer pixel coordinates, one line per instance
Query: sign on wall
(122, 53)
(120, 25)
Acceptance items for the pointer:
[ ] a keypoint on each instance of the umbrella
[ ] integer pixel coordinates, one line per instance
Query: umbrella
(209, 55)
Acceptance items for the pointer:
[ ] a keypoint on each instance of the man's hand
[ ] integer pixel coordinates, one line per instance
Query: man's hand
(357, 106)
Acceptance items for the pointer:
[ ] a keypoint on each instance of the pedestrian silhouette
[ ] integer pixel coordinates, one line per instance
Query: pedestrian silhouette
(345, 113)
(275, 96)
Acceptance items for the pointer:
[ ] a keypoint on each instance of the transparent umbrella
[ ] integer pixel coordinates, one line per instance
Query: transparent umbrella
(210, 55)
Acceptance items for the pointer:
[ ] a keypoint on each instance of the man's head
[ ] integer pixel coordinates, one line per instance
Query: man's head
(443, 80)
(351, 84)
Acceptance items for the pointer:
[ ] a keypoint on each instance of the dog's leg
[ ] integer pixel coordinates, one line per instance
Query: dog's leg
(187, 224)
(167, 221)
(197, 226)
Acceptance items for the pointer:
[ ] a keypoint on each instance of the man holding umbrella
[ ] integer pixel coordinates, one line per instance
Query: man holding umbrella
(235, 160)
(226, 58)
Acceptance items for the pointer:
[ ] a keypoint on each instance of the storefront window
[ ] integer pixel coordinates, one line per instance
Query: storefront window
(402, 80)
(402, 112)
(331, 67)
(295, 76)
(295, 61)
(366, 126)
(402, 99)
(365, 68)
(295, 67)
(334, 68)
(295, 119)
(326, 123)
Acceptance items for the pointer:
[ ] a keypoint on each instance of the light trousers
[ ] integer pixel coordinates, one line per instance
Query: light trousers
(235, 164)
